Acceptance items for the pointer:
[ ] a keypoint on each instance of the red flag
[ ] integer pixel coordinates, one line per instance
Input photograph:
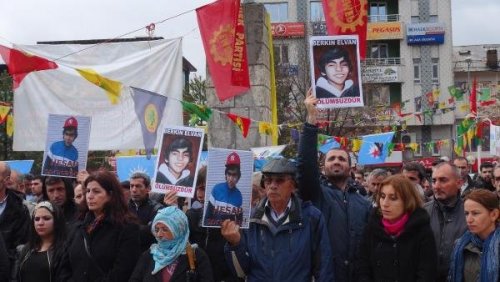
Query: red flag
(487, 103)
(473, 98)
(243, 123)
(223, 33)
(21, 64)
(347, 17)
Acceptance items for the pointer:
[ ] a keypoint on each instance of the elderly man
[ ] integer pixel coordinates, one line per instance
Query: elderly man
(446, 210)
(14, 216)
(287, 239)
(335, 194)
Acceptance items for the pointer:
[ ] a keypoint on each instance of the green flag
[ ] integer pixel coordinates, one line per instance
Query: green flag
(485, 94)
(203, 112)
(456, 92)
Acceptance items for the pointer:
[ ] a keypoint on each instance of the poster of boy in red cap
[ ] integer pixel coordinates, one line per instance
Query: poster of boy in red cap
(229, 199)
(66, 157)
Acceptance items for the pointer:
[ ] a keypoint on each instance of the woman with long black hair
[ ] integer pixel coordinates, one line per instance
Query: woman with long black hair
(105, 243)
(43, 257)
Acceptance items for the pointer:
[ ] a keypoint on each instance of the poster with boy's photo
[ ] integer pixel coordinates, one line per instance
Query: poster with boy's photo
(228, 189)
(67, 145)
(177, 162)
(335, 71)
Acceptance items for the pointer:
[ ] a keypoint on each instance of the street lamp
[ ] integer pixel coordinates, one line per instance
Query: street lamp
(468, 60)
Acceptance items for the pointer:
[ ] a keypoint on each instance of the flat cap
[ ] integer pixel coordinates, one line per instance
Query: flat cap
(279, 166)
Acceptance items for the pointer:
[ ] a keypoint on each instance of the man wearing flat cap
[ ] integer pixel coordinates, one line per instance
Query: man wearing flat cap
(287, 239)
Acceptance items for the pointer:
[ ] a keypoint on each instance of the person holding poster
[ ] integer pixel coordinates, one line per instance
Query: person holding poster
(173, 170)
(62, 156)
(226, 201)
(336, 69)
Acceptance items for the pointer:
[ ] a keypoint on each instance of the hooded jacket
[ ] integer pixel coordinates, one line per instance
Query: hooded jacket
(409, 257)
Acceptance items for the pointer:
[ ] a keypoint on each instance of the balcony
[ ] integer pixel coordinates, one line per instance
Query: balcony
(382, 62)
(383, 18)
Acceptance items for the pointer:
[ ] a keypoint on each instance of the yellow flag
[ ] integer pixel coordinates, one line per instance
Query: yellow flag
(470, 134)
(356, 144)
(4, 111)
(113, 88)
(265, 128)
(442, 105)
(10, 125)
(435, 94)
(413, 146)
(463, 108)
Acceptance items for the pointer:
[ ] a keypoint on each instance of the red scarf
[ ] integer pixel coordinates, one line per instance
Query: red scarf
(395, 228)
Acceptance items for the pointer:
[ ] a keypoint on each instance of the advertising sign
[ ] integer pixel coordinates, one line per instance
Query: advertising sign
(425, 33)
(287, 29)
(380, 74)
(384, 30)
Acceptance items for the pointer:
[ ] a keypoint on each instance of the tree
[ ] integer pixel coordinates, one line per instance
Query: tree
(6, 142)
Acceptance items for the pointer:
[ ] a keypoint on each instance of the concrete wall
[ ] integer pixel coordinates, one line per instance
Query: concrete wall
(255, 103)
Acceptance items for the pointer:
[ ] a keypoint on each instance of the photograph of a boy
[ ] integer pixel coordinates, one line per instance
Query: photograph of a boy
(336, 69)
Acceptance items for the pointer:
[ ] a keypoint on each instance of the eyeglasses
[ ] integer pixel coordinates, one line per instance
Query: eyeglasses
(278, 179)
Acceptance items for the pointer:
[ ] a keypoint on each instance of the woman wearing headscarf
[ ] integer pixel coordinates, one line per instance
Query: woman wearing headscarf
(398, 244)
(167, 259)
(476, 255)
(105, 244)
(43, 257)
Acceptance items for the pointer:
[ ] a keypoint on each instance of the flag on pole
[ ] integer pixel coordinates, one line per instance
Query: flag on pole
(113, 88)
(20, 64)
(149, 107)
(375, 148)
(243, 123)
(473, 98)
(223, 34)
(203, 112)
(345, 17)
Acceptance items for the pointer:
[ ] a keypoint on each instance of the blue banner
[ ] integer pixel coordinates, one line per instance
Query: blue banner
(126, 166)
(23, 166)
(375, 148)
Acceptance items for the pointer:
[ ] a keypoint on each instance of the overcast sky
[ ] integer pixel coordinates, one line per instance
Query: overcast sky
(29, 21)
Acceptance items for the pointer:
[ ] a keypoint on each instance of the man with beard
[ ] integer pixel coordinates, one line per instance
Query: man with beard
(484, 179)
(335, 194)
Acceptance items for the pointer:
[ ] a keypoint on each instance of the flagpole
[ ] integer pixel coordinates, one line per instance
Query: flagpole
(479, 145)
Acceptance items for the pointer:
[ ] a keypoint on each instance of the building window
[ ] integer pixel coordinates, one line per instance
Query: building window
(416, 70)
(281, 54)
(379, 50)
(378, 12)
(317, 14)
(435, 70)
(278, 12)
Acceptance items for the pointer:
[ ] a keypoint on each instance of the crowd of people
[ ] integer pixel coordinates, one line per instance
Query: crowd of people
(311, 221)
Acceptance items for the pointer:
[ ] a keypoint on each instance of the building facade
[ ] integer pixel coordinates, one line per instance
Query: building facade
(408, 66)
(478, 62)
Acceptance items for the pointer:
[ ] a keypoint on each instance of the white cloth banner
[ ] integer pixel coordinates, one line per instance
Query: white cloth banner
(152, 65)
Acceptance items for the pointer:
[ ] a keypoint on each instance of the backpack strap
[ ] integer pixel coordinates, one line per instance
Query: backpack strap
(191, 257)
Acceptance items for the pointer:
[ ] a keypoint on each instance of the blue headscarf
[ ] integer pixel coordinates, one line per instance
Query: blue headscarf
(165, 252)
(490, 269)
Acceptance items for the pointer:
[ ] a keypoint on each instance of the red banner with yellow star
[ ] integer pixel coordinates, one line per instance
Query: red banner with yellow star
(344, 17)
(223, 34)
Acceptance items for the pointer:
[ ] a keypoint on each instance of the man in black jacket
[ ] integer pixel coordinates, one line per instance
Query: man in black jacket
(335, 194)
(446, 210)
(59, 191)
(143, 207)
(14, 216)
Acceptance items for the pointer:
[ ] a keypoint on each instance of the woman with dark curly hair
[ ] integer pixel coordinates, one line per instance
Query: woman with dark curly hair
(105, 243)
(476, 256)
(43, 257)
(398, 244)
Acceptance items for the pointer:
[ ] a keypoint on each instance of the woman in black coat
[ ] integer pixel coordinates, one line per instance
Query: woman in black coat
(167, 260)
(43, 258)
(398, 244)
(105, 243)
